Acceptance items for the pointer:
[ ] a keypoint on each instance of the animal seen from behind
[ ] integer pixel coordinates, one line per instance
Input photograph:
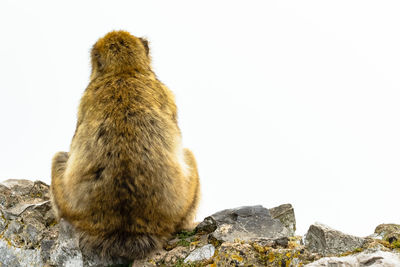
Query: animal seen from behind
(127, 183)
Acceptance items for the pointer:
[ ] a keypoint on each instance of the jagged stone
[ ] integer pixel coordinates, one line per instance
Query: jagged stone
(14, 256)
(236, 254)
(246, 223)
(154, 258)
(208, 225)
(200, 254)
(327, 241)
(364, 259)
(389, 232)
(285, 214)
(272, 243)
(246, 236)
(23, 206)
(29, 234)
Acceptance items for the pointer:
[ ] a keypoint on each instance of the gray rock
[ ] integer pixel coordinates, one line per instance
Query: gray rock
(66, 250)
(175, 255)
(20, 187)
(272, 243)
(46, 247)
(246, 223)
(376, 259)
(253, 235)
(208, 225)
(285, 214)
(199, 254)
(14, 256)
(388, 232)
(29, 234)
(327, 241)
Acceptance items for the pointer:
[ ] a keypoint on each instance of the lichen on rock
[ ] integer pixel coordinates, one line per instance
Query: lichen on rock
(244, 236)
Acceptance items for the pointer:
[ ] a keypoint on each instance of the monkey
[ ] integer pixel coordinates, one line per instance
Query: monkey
(126, 184)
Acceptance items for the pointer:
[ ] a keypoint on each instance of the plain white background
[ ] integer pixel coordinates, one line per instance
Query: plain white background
(281, 101)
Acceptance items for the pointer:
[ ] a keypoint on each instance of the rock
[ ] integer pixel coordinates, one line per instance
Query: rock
(174, 257)
(23, 205)
(29, 234)
(65, 251)
(245, 236)
(14, 256)
(245, 223)
(285, 214)
(376, 259)
(236, 254)
(200, 254)
(15, 191)
(208, 225)
(327, 241)
(272, 243)
(389, 232)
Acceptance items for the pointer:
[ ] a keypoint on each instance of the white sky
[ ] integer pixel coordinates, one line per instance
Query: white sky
(281, 101)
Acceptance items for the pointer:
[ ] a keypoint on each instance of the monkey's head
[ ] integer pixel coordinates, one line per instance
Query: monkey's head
(118, 52)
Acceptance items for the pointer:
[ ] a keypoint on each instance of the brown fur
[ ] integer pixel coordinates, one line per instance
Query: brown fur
(126, 183)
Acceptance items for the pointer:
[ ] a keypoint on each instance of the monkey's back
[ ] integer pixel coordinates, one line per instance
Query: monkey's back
(127, 183)
(123, 158)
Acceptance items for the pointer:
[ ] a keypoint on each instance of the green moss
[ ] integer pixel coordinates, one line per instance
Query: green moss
(185, 234)
(183, 243)
(185, 238)
(355, 251)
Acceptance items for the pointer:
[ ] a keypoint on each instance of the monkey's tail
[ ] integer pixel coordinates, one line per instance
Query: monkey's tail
(120, 245)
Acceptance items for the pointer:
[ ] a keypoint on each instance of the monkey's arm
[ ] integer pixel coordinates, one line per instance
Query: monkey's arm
(193, 191)
(57, 172)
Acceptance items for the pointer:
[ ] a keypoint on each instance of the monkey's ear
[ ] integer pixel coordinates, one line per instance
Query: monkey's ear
(145, 44)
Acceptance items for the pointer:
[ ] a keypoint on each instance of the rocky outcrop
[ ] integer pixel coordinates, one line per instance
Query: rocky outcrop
(244, 236)
(364, 259)
(389, 232)
(29, 233)
(244, 223)
(203, 253)
(26, 223)
(285, 214)
(327, 241)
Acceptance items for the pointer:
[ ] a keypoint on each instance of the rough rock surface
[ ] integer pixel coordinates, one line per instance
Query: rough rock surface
(29, 234)
(327, 241)
(246, 236)
(376, 259)
(200, 254)
(285, 214)
(389, 232)
(26, 222)
(244, 223)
